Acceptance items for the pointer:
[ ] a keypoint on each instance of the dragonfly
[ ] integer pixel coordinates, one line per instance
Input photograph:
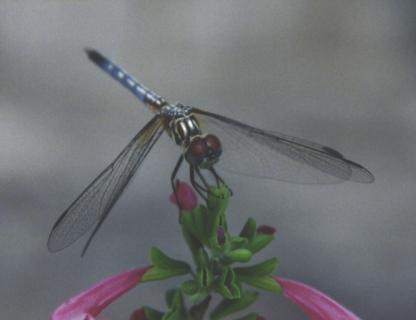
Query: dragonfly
(208, 140)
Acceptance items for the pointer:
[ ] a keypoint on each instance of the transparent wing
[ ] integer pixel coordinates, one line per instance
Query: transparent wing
(96, 201)
(255, 152)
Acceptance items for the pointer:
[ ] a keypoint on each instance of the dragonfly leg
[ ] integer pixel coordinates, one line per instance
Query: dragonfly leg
(198, 172)
(219, 179)
(192, 177)
(173, 177)
(196, 185)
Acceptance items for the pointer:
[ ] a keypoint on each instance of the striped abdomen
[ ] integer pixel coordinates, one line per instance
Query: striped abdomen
(148, 97)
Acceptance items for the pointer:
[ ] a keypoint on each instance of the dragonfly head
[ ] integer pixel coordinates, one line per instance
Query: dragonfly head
(203, 151)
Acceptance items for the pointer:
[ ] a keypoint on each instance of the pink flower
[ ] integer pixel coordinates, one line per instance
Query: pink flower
(186, 196)
(89, 303)
(314, 303)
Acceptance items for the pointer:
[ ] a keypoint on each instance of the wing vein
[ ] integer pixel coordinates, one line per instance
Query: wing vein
(259, 153)
(96, 201)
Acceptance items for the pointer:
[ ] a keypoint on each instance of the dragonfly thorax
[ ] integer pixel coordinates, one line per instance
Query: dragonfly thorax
(182, 124)
(183, 128)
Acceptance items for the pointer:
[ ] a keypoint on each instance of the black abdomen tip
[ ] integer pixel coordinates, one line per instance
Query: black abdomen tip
(95, 56)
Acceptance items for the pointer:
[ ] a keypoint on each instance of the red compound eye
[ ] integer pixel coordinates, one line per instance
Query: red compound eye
(197, 150)
(213, 143)
(198, 147)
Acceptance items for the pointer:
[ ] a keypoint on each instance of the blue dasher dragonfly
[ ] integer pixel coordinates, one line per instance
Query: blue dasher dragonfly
(208, 140)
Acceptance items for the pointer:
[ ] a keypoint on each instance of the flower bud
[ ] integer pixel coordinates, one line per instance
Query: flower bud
(220, 235)
(266, 229)
(185, 195)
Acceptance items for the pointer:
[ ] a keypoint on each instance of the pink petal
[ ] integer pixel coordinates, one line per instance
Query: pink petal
(89, 303)
(266, 229)
(186, 196)
(314, 303)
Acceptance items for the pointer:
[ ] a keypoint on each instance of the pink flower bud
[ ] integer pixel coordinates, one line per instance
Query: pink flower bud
(185, 195)
(266, 229)
(221, 235)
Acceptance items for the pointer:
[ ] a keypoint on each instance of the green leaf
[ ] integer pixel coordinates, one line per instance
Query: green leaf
(249, 229)
(195, 222)
(169, 297)
(222, 221)
(260, 269)
(227, 307)
(164, 266)
(200, 219)
(204, 273)
(205, 277)
(262, 282)
(239, 255)
(199, 296)
(238, 242)
(217, 203)
(187, 220)
(190, 287)
(202, 258)
(173, 315)
(193, 243)
(218, 197)
(259, 242)
(161, 260)
(156, 273)
(152, 314)
(227, 285)
(174, 300)
(197, 311)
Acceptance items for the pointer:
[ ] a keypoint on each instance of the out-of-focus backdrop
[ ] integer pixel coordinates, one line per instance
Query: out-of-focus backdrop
(342, 73)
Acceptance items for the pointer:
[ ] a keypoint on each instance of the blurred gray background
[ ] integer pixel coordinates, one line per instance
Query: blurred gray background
(338, 72)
